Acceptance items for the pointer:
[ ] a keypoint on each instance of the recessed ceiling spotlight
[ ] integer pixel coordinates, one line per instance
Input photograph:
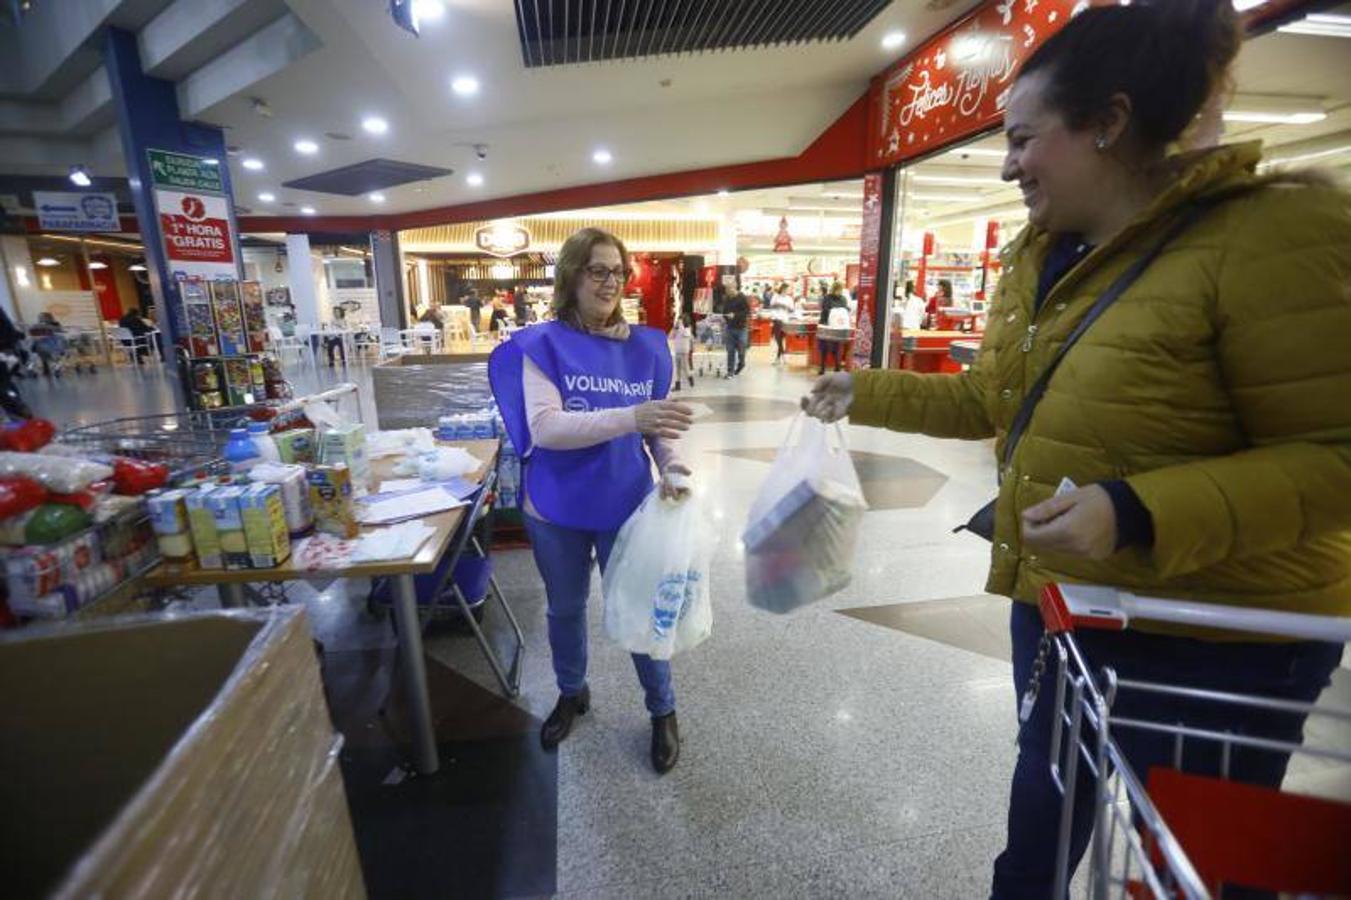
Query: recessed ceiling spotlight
(892, 40)
(267, 197)
(307, 210)
(474, 179)
(724, 193)
(428, 10)
(79, 176)
(377, 197)
(465, 85)
(252, 164)
(136, 267)
(306, 146)
(98, 264)
(602, 157)
(374, 125)
(48, 261)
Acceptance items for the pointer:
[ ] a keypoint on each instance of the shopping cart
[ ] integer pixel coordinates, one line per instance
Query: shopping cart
(1170, 833)
(193, 442)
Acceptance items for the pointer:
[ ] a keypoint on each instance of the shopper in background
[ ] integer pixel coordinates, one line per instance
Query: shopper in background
(584, 400)
(941, 299)
(736, 309)
(682, 346)
(520, 306)
(1206, 428)
(134, 320)
(824, 347)
(497, 322)
(780, 307)
(335, 346)
(475, 307)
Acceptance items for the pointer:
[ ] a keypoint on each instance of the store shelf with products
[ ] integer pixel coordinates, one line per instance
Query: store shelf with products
(225, 338)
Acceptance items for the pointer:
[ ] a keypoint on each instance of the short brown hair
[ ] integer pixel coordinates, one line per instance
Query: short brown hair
(574, 256)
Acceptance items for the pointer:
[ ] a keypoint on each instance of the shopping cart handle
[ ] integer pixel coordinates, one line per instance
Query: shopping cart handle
(1065, 607)
(1082, 606)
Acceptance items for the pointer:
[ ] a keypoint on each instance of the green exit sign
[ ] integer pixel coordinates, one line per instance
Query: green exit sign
(178, 170)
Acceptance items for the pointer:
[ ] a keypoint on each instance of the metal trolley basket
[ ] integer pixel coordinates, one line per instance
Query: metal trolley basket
(1155, 834)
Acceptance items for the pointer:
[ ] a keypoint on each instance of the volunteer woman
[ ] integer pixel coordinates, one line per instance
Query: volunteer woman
(583, 398)
(1207, 429)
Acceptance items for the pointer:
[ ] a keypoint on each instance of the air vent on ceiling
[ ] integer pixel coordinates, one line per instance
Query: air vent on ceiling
(562, 32)
(364, 177)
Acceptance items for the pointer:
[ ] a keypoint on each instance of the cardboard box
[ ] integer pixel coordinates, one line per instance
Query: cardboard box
(191, 756)
(265, 531)
(205, 537)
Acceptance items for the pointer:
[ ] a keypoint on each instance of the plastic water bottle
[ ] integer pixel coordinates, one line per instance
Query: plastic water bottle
(240, 452)
(261, 435)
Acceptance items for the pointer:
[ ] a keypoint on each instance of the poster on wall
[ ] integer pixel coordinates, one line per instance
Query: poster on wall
(867, 269)
(958, 83)
(66, 211)
(197, 237)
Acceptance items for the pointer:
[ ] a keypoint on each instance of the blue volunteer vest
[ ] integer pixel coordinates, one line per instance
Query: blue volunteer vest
(595, 488)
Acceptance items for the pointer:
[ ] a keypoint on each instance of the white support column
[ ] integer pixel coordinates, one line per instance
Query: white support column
(424, 285)
(20, 278)
(300, 278)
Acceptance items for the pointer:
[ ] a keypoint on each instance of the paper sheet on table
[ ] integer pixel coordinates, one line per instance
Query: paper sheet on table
(385, 510)
(459, 488)
(395, 542)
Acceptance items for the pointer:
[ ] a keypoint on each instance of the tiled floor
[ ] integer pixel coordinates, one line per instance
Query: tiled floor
(860, 747)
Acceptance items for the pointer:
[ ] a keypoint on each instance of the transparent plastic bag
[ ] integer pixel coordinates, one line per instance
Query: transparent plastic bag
(803, 527)
(656, 583)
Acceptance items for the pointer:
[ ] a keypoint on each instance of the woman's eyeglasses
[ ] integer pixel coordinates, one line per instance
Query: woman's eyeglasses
(602, 274)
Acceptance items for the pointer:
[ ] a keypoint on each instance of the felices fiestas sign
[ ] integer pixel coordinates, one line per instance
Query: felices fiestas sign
(502, 239)
(958, 83)
(197, 238)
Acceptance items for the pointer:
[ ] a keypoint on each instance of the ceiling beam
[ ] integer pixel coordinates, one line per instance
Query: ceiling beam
(263, 55)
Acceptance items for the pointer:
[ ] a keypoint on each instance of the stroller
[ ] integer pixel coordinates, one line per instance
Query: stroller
(710, 353)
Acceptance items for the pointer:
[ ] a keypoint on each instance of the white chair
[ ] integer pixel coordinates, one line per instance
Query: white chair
(121, 342)
(426, 337)
(281, 344)
(391, 343)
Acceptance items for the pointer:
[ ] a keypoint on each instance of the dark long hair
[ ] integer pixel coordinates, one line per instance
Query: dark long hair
(1167, 56)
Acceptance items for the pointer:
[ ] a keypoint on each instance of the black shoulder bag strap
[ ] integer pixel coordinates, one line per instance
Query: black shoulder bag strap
(982, 523)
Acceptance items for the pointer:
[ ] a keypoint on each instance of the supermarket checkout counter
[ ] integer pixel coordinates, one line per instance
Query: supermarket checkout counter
(928, 351)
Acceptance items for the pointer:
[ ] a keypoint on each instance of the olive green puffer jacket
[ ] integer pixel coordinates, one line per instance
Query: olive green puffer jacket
(1218, 386)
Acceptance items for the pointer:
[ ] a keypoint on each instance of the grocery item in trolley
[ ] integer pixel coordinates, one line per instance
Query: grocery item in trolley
(295, 493)
(50, 581)
(228, 517)
(59, 474)
(168, 513)
(803, 527)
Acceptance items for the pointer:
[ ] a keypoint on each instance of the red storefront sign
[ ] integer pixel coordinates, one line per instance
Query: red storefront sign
(867, 269)
(196, 229)
(957, 84)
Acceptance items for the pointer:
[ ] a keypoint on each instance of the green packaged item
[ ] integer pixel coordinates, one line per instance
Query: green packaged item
(53, 521)
(296, 445)
(205, 537)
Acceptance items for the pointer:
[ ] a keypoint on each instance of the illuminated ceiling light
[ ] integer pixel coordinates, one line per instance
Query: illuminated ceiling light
(1320, 25)
(724, 193)
(48, 261)
(252, 164)
(377, 197)
(602, 157)
(374, 125)
(307, 210)
(465, 85)
(267, 197)
(211, 161)
(96, 264)
(79, 176)
(136, 267)
(892, 40)
(428, 10)
(474, 179)
(1245, 5)
(306, 146)
(958, 179)
(1274, 118)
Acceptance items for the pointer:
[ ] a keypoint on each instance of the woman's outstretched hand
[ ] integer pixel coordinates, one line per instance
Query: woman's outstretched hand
(830, 398)
(663, 418)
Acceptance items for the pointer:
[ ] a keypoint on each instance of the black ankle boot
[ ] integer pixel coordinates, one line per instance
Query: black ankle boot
(665, 743)
(559, 723)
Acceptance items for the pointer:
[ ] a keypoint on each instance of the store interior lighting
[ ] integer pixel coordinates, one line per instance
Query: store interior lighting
(602, 157)
(307, 210)
(893, 40)
(252, 164)
(377, 197)
(1245, 5)
(374, 125)
(959, 179)
(266, 197)
(465, 85)
(136, 267)
(306, 146)
(79, 176)
(48, 261)
(474, 179)
(97, 264)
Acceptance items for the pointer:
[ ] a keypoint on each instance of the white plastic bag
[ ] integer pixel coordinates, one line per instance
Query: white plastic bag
(803, 527)
(656, 583)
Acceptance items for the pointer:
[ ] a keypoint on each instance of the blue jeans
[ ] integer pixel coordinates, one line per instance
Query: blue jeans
(563, 556)
(1297, 671)
(737, 340)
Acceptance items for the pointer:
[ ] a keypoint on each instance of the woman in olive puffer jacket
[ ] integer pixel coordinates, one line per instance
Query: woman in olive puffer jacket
(1206, 416)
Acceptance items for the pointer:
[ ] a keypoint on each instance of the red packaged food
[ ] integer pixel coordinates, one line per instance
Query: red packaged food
(135, 476)
(26, 435)
(19, 494)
